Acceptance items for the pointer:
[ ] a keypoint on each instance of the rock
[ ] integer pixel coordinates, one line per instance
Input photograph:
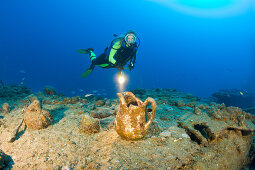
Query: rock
(100, 103)
(235, 97)
(90, 125)
(32, 97)
(65, 168)
(6, 108)
(234, 112)
(13, 91)
(190, 104)
(74, 100)
(185, 135)
(154, 129)
(92, 107)
(194, 133)
(166, 134)
(203, 107)
(3, 159)
(83, 100)
(234, 151)
(36, 117)
(180, 103)
(108, 103)
(241, 120)
(197, 111)
(250, 110)
(138, 91)
(67, 100)
(216, 114)
(102, 113)
(79, 112)
(250, 117)
(49, 90)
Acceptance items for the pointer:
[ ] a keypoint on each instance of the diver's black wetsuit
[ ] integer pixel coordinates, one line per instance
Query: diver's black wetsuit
(122, 56)
(102, 59)
(116, 56)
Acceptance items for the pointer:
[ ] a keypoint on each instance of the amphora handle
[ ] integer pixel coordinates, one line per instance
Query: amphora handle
(122, 100)
(154, 107)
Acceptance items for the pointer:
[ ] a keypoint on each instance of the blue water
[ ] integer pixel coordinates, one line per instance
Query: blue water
(195, 47)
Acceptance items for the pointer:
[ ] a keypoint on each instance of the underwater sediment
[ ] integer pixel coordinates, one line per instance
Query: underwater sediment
(79, 133)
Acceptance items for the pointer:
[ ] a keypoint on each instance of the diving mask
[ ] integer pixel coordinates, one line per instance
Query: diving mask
(130, 38)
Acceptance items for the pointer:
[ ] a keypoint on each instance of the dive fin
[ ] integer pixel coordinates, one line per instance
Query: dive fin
(82, 51)
(85, 51)
(86, 73)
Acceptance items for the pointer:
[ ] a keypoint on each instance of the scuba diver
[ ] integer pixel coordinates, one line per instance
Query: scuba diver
(122, 49)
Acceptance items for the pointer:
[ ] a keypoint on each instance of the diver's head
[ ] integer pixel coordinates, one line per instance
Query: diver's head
(130, 37)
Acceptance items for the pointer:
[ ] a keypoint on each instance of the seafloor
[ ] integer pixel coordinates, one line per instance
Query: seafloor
(187, 133)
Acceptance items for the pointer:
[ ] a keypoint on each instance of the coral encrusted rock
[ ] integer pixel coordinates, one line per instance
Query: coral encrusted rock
(89, 124)
(36, 117)
(100, 103)
(6, 108)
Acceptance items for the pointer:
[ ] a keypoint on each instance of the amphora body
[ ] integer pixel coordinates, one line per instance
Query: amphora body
(130, 122)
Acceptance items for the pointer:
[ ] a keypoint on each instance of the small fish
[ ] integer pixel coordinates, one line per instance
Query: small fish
(241, 93)
(23, 78)
(73, 92)
(87, 95)
(81, 90)
(22, 71)
(21, 82)
(177, 140)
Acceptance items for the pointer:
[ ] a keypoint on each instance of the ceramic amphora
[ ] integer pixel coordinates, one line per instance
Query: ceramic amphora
(130, 122)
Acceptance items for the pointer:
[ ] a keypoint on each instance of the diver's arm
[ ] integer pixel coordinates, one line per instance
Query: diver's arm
(132, 61)
(113, 51)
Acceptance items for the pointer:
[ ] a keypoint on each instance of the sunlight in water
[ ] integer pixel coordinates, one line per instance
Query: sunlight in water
(208, 8)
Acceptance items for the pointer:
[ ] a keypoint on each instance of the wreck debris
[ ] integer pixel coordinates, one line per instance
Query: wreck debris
(15, 132)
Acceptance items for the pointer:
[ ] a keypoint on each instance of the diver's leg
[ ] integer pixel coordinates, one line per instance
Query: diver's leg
(92, 56)
(89, 51)
(100, 61)
(96, 61)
